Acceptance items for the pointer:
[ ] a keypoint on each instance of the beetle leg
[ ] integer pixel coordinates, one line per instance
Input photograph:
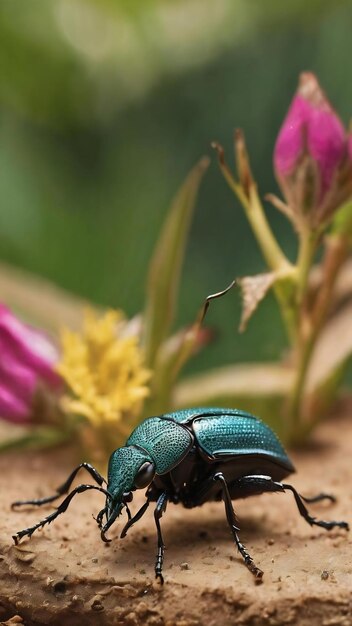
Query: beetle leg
(319, 497)
(134, 519)
(62, 489)
(260, 484)
(60, 509)
(232, 521)
(313, 521)
(159, 510)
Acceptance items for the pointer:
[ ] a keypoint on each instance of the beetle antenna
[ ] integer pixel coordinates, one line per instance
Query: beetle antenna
(211, 297)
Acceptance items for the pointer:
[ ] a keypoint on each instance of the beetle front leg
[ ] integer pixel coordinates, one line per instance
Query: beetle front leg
(62, 489)
(159, 510)
(60, 509)
(232, 521)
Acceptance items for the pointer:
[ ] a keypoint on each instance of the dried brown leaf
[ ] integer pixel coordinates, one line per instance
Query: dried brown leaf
(254, 290)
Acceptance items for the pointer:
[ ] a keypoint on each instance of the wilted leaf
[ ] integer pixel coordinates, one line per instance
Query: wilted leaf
(242, 162)
(257, 388)
(254, 289)
(166, 264)
(333, 349)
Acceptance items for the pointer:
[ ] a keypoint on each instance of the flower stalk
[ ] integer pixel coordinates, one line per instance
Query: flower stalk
(313, 167)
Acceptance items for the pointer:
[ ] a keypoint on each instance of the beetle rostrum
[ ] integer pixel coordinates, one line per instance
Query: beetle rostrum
(189, 457)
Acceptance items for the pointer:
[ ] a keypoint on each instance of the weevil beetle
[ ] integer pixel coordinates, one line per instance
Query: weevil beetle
(189, 457)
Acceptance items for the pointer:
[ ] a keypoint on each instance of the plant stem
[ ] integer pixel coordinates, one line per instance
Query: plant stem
(336, 250)
(307, 250)
(306, 335)
(271, 251)
(273, 254)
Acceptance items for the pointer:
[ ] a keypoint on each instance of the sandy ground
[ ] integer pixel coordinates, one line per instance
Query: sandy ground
(66, 576)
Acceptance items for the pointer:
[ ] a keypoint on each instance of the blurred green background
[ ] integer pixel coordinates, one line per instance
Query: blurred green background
(105, 106)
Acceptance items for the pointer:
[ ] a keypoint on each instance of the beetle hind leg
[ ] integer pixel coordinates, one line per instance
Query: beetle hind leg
(313, 521)
(319, 498)
(260, 484)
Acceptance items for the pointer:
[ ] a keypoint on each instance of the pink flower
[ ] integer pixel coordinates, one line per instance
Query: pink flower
(27, 360)
(311, 149)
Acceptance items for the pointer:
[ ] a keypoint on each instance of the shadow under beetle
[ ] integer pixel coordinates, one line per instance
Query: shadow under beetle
(189, 457)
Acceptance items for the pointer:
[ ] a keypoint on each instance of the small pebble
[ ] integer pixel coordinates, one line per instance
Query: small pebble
(184, 566)
(324, 575)
(97, 605)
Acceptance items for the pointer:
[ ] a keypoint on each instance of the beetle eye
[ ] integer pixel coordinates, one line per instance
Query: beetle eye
(144, 475)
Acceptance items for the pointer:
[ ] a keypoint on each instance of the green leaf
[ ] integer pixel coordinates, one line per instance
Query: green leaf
(166, 264)
(32, 438)
(259, 388)
(174, 353)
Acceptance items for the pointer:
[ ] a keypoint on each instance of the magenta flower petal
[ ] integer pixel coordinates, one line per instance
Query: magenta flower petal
(310, 128)
(326, 136)
(290, 141)
(28, 359)
(12, 408)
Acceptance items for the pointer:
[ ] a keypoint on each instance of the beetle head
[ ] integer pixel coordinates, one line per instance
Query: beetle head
(130, 468)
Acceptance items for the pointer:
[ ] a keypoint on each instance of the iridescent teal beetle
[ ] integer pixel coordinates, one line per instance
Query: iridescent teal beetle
(190, 457)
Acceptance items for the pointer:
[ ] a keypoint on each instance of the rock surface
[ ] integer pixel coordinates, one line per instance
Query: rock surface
(66, 575)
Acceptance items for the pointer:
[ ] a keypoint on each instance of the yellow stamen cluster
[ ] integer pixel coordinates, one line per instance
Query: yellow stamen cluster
(103, 368)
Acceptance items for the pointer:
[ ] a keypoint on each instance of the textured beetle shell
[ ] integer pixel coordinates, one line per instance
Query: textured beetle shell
(221, 432)
(237, 435)
(166, 442)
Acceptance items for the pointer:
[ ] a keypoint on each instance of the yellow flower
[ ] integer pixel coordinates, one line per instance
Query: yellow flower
(103, 368)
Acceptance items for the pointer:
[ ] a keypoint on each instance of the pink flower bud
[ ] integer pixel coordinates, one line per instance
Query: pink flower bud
(27, 359)
(310, 147)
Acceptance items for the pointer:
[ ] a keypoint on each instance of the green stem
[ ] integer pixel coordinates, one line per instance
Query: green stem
(275, 259)
(294, 415)
(273, 254)
(335, 256)
(305, 331)
(271, 251)
(307, 250)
